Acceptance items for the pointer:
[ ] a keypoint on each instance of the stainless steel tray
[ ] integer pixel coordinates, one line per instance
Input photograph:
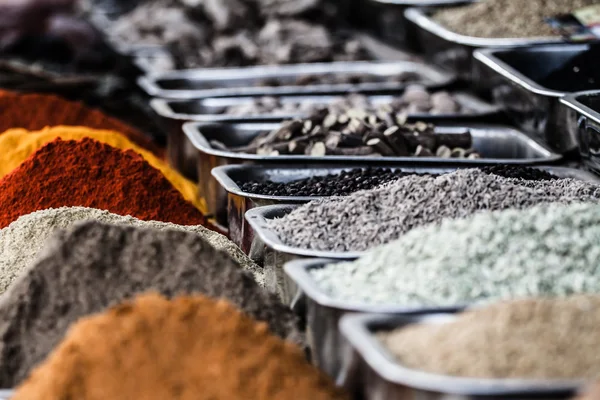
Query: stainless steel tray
(382, 377)
(222, 82)
(238, 201)
(512, 76)
(322, 314)
(453, 51)
(583, 117)
(211, 109)
(385, 18)
(501, 145)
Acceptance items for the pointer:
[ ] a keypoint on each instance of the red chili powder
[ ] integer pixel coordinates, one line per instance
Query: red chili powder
(189, 348)
(88, 173)
(37, 111)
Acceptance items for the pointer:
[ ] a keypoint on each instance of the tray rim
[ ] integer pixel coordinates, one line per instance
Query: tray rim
(355, 328)
(571, 100)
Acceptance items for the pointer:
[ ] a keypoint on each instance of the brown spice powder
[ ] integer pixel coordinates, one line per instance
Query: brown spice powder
(190, 348)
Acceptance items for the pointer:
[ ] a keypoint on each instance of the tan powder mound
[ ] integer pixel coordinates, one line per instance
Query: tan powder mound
(189, 348)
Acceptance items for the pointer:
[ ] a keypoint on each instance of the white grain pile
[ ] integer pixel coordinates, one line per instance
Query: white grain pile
(374, 217)
(545, 250)
(21, 241)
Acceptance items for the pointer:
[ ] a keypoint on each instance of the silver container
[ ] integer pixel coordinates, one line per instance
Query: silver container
(385, 18)
(322, 314)
(583, 117)
(512, 76)
(246, 81)
(6, 394)
(238, 201)
(498, 144)
(211, 109)
(381, 377)
(452, 51)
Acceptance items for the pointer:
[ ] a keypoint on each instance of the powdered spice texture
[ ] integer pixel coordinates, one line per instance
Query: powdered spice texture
(88, 173)
(190, 348)
(21, 241)
(532, 338)
(93, 266)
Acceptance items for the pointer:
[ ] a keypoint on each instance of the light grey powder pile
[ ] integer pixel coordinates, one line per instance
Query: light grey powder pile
(93, 266)
(22, 240)
(545, 250)
(370, 218)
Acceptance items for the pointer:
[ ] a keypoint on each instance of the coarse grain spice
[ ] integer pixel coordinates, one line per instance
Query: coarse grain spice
(507, 18)
(19, 144)
(92, 266)
(523, 339)
(88, 173)
(21, 241)
(547, 250)
(369, 218)
(189, 348)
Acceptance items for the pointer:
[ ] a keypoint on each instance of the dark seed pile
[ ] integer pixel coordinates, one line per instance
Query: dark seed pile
(350, 181)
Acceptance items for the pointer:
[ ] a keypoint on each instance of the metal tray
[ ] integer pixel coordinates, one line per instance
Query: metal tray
(211, 109)
(583, 117)
(223, 82)
(382, 377)
(6, 394)
(511, 77)
(322, 314)
(502, 145)
(385, 19)
(453, 51)
(238, 201)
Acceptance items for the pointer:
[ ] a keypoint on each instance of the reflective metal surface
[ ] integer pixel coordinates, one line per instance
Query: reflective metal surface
(381, 377)
(512, 76)
(583, 117)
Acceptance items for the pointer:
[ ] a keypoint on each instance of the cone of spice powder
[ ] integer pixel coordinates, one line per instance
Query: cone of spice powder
(92, 266)
(189, 348)
(37, 111)
(19, 144)
(88, 173)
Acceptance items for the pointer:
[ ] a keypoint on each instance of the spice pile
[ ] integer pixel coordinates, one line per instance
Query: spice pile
(340, 78)
(358, 133)
(92, 266)
(524, 339)
(373, 217)
(88, 173)
(415, 100)
(186, 348)
(23, 239)
(544, 250)
(350, 181)
(239, 33)
(507, 18)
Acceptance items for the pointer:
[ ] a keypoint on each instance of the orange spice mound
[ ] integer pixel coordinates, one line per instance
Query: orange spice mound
(37, 111)
(189, 348)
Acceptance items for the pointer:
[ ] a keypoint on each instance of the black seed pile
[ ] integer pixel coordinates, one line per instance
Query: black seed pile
(350, 181)
(519, 172)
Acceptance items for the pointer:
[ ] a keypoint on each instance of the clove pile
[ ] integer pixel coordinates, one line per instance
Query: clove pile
(416, 99)
(357, 132)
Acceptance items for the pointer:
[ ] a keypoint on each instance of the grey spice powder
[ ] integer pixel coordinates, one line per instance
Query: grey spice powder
(547, 250)
(374, 217)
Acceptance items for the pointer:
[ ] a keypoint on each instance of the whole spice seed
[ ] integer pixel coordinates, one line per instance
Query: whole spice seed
(373, 217)
(19, 144)
(21, 241)
(36, 111)
(187, 348)
(525, 339)
(415, 100)
(88, 173)
(507, 18)
(544, 250)
(93, 266)
(358, 133)
(350, 181)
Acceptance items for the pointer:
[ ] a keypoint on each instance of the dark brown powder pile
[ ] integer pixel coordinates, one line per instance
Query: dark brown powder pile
(190, 348)
(93, 266)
